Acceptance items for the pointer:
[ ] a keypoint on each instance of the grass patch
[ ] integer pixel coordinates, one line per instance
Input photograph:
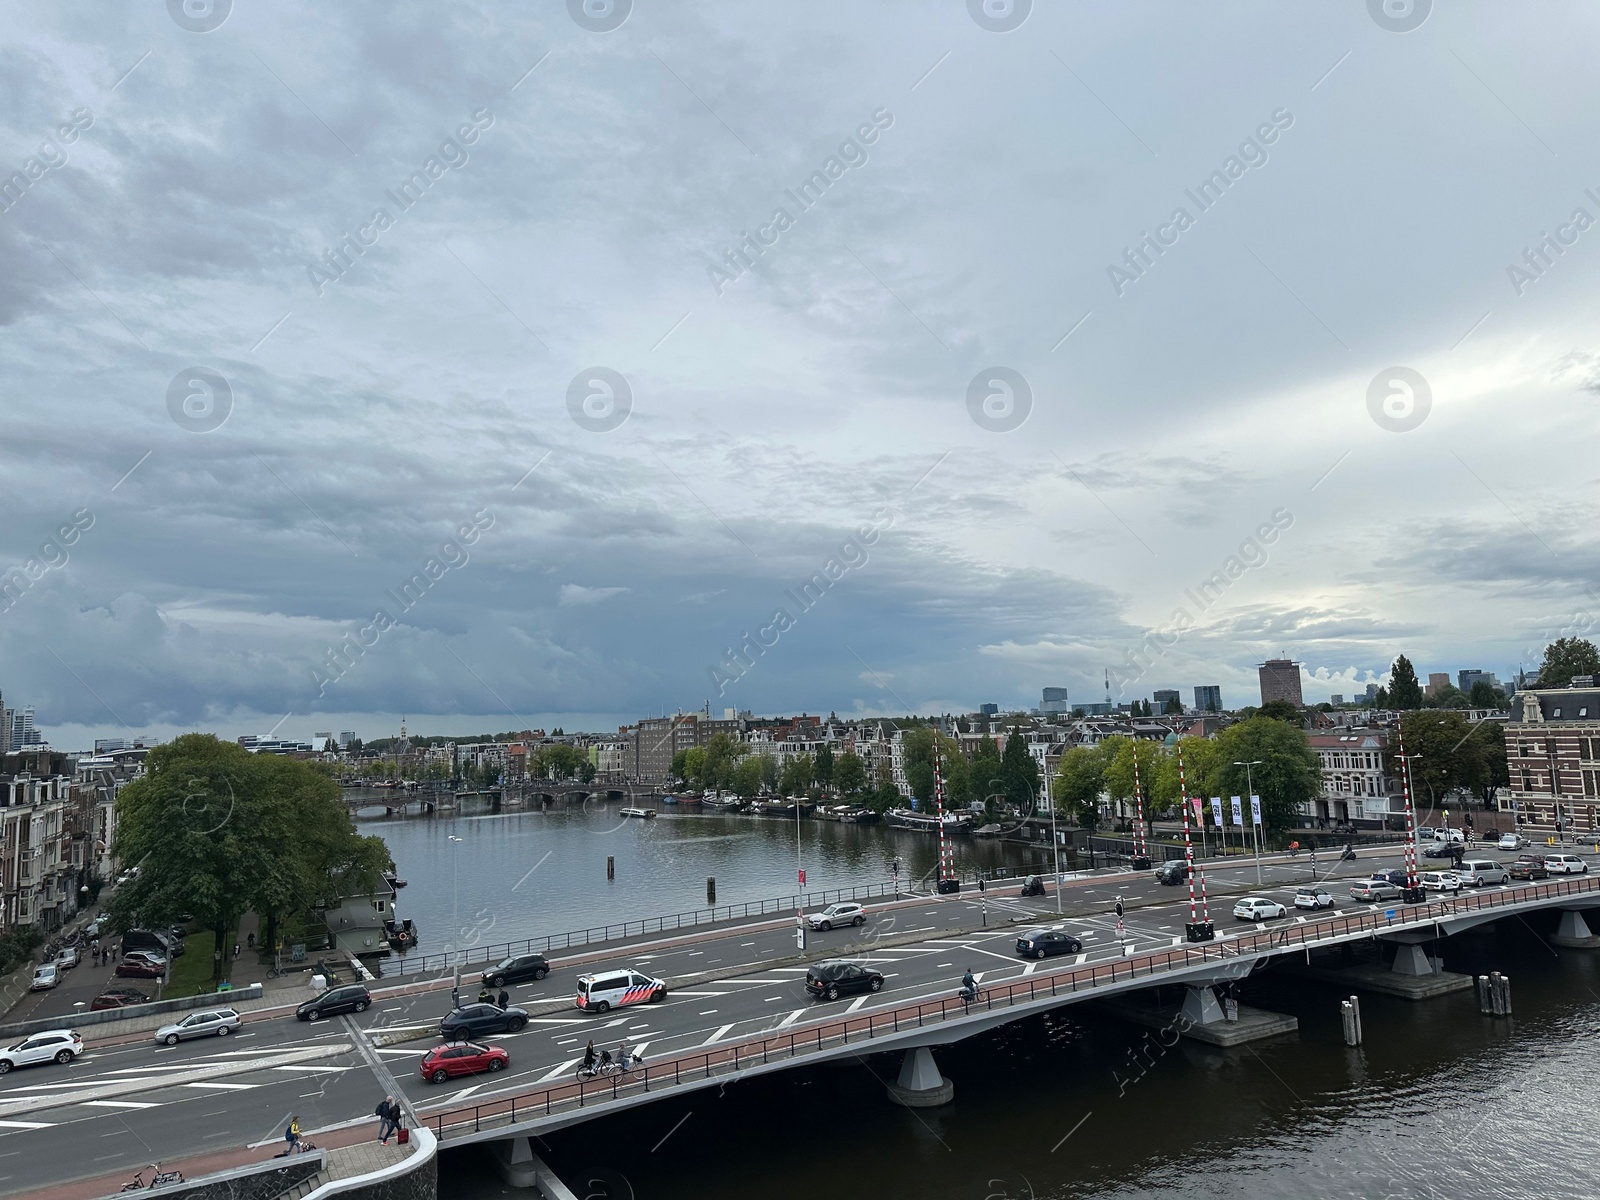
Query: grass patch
(191, 970)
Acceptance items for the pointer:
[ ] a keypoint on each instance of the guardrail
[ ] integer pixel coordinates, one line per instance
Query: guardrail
(670, 1072)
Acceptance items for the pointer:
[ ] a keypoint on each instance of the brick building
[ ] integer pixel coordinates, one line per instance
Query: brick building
(1553, 757)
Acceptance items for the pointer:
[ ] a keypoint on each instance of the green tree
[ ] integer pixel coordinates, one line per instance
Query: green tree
(1119, 768)
(1289, 775)
(1446, 753)
(1080, 780)
(1485, 695)
(1405, 693)
(849, 774)
(1020, 770)
(822, 768)
(1281, 710)
(1566, 657)
(985, 775)
(586, 771)
(1449, 696)
(1173, 707)
(747, 776)
(797, 775)
(770, 772)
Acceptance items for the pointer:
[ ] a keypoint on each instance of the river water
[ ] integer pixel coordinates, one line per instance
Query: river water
(485, 878)
(1440, 1103)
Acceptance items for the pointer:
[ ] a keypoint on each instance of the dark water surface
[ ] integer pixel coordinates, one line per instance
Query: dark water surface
(1439, 1102)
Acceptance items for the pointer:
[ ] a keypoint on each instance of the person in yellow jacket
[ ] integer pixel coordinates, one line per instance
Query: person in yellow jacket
(292, 1134)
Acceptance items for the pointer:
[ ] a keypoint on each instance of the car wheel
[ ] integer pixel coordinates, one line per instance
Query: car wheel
(496, 1064)
(4, 1066)
(875, 985)
(833, 993)
(224, 1031)
(826, 927)
(363, 1005)
(859, 921)
(313, 1014)
(517, 1023)
(63, 1057)
(171, 1039)
(602, 1007)
(498, 981)
(540, 973)
(1039, 953)
(440, 1075)
(657, 996)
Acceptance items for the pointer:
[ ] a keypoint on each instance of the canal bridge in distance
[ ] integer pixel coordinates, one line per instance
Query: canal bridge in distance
(917, 1025)
(532, 795)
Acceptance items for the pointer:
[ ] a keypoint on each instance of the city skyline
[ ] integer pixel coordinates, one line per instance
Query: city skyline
(581, 430)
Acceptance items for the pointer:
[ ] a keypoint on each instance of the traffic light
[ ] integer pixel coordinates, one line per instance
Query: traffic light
(983, 885)
(1119, 909)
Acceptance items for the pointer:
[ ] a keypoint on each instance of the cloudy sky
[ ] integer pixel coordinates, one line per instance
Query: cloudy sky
(263, 387)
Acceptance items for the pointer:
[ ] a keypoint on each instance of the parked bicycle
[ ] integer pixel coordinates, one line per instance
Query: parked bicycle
(159, 1179)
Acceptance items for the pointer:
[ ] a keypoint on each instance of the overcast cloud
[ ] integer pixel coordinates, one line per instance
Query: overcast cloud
(577, 200)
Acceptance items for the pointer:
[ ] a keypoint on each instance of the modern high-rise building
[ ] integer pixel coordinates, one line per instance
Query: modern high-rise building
(1371, 692)
(1280, 680)
(346, 736)
(1160, 700)
(1208, 697)
(1465, 679)
(989, 710)
(1337, 699)
(1437, 682)
(1055, 701)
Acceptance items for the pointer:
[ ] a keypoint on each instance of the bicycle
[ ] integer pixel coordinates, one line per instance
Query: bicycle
(609, 1067)
(159, 1179)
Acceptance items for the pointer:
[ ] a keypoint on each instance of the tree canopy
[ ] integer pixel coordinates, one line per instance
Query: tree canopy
(1566, 657)
(1405, 693)
(217, 831)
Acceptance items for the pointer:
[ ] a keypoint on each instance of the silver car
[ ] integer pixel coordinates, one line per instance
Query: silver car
(218, 1022)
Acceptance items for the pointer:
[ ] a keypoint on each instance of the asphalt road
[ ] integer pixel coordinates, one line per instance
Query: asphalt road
(123, 1106)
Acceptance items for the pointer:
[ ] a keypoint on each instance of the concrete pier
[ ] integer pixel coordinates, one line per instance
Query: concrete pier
(1574, 933)
(1414, 974)
(920, 1084)
(1200, 1017)
(522, 1168)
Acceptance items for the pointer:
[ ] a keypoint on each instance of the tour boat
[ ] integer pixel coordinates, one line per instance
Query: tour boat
(643, 813)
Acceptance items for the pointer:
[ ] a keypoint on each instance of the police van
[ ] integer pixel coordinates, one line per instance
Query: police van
(617, 989)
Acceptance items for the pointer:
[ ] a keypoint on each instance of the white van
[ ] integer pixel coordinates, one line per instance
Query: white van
(1476, 872)
(606, 990)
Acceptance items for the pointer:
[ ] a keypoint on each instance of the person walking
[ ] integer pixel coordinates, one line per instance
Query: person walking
(236, 949)
(388, 1114)
(251, 941)
(503, 1000)
(292, 1134)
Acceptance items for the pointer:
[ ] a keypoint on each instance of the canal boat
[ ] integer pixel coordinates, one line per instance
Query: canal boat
(642, 813)
(905, 818)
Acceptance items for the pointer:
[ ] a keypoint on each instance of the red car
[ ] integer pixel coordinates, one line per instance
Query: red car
(117, 998)
(139, 968)
(462, 1058)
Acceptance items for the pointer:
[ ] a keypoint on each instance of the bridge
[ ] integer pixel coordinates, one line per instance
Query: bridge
(531, 794)
(736, 1009)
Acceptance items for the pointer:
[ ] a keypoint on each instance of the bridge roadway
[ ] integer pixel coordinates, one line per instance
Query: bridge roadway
(128, 1102)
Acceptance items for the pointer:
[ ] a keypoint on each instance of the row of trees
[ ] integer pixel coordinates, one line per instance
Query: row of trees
(216, 832)
(1283, 770)
(1564, 658)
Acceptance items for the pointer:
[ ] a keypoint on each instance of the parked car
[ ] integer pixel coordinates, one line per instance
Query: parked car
(838, 914)
(45, 977)
(1313, 897)
(606, 990)
(465, 1058)
(1565, 864)
(1043, 942)
(117, 998)
(1441, 881)
(346, 998)
(1528, 866)
(1511, 841)
(1449, 835)
(1258, 908)
(1172, 872)
(51, 1045)
(1374, 890)
(140, 968)
(1425, 833)
(1478, 872)
(1398, 878)
(832, 979)
(149, 956)
(519, 968)
(473, 1019)
(211, 1022)
(1440, 850)
(162, 943)
(68, 957)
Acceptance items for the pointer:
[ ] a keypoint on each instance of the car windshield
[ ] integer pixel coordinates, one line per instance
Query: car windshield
(505, 964)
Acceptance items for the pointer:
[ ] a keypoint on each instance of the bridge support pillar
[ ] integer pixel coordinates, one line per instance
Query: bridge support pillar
(1574, 932)
(522, 1168)
(920, 1084)
(1200, 1006)
(1414, 960)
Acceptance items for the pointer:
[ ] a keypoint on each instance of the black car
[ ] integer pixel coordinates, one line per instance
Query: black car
(833, 979)
(1043, 942)
(1442, 850)
(347, 998)
(474, 1020)
(517, 969)
(1398, 878)
(1174, 872)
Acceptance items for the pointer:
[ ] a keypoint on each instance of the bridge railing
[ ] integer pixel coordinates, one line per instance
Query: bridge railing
(748, 1053)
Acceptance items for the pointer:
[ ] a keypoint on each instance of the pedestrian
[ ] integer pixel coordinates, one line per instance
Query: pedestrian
(503, 1000)
(388, 1114)
(292, 1134)
(251, 941)
(455, 998)
(236, 949)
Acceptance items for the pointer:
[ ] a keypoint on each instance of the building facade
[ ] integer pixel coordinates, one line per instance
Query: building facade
(1355, 790)
(1280, 680)
(1208, 697)
(1553, 757)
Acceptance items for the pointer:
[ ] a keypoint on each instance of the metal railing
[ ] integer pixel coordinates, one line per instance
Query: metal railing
(415, 964)
(760, 1051)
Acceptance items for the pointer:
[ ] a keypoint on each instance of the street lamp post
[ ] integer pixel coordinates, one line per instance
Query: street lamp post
(1250, 789)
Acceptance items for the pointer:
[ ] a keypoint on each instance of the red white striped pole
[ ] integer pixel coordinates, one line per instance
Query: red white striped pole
(1188, 843)
(1411, 823)
(1138, 808)
(946, 852)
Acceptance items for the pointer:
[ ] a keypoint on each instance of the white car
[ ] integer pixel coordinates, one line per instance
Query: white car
(1313, 897)
(1511, 841)
(1441, 881)
(838, 914)
(1258, 908)
(1565, 864)
(58, 1045)
(68, 957)
(218, 1022)
(45, 976)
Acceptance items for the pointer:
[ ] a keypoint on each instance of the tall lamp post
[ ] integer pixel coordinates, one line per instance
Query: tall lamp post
(1250, 789)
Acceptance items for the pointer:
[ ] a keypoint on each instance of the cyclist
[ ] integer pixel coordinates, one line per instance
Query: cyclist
(589, 1056)
(969, 986)
(623, 1059)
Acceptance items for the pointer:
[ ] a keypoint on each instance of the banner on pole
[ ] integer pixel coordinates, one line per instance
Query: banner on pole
(1199, 809)
(1255, 810)
(1238, 813)
(1216, 811)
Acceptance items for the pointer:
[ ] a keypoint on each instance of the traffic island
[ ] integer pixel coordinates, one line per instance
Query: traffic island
(1200, 1017)
(920, 1084)
(1573, 932)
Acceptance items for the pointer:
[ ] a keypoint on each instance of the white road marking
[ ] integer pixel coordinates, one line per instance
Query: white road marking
(1079, 961)
(561, 1070)
(117, 1104)
(793, 1017)
(28, 1125)
(854, 1004)
(696, 992)
(465, 1092)
(721, 1032)
(227, 1087)
(556, 1020)
(706, 1012)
